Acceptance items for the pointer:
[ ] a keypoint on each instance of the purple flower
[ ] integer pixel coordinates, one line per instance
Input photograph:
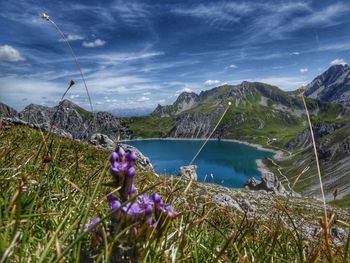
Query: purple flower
(158, 204)
(110, 197)
(120, 152)
(133, 209)
(128, 182)
(94, 222)
(114, 157)
(133, 191)
(118, 168)
(170, 211)
(114, 205)
(145, 200)
(131, 156)
(157, 199)
(131, 172)
(148, 215)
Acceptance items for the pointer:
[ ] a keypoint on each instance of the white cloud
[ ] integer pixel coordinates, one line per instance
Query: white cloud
(211, 82)
(303, 70)
(73, 38)
(10, 54)
(295, 53)
(232, 66)
(146, 93)
(338, 61)
(116, 58)
(97, 43)
(186, 89)
(143, 99)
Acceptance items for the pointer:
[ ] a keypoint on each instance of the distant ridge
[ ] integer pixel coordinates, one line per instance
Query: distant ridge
(331, 86)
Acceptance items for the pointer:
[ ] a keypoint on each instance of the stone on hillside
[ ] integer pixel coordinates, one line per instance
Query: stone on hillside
(188, 172)
(268, 183)
(226, 200)
(102, 140)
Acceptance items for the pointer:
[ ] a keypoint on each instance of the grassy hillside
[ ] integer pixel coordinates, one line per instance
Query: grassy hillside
(51, 188)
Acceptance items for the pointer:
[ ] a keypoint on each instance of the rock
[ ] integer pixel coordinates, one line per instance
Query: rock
(102, 140)
(142, 162)
(188, 172)
(246, 205)
(7, 111)
(268, 183)
(226, 200)
(44, 127)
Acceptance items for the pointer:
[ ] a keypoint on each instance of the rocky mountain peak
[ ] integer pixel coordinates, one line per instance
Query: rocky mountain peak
(187, 96)
(331, 86)
(67, 104)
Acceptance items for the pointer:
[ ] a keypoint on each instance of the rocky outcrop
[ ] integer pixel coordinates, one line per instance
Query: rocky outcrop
(7, 111)
(333, 149)
(331, 86)
(7, 122)
(268, 183)
(188, 172)
(193, 125)
(320, 130)
(102, 141)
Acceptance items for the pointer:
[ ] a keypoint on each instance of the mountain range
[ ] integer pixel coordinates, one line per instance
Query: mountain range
(260, 113)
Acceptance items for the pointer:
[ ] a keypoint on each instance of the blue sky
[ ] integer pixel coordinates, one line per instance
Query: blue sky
(136, 54)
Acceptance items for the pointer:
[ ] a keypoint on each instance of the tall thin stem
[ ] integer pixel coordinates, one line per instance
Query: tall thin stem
(76, 61)
(205, 142)
(47, 18)
(318, 168)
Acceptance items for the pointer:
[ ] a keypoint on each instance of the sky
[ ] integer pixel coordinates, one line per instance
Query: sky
(137, 54)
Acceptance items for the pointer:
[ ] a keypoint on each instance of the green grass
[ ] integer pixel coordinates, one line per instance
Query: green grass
(49, 192)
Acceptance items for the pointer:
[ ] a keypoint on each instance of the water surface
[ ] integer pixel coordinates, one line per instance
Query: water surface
(221, 162)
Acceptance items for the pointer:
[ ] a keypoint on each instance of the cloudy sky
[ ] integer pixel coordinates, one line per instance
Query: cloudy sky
(136, 54)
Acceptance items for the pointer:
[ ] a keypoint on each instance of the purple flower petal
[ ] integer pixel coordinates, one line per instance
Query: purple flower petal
(133, 209)
(131, 172)
(94, 221)
(170, 211)
(120, 152)
(131, 156)
(145, 200)
(114, 157)
(110, 197)
(148, 214)
(115, 170)
(114, 205)
(133, 191)
(156, 198)
(123, 166)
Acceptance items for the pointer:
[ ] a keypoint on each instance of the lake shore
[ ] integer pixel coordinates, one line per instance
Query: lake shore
(278, 154)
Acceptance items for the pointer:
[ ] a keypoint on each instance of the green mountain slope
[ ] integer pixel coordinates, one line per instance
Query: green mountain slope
(259, 112)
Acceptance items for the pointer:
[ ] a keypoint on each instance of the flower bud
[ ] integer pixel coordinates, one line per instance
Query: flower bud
(114, 157)
(131, 156)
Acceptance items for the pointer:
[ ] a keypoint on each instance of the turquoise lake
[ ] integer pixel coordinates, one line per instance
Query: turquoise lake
(221, 162)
